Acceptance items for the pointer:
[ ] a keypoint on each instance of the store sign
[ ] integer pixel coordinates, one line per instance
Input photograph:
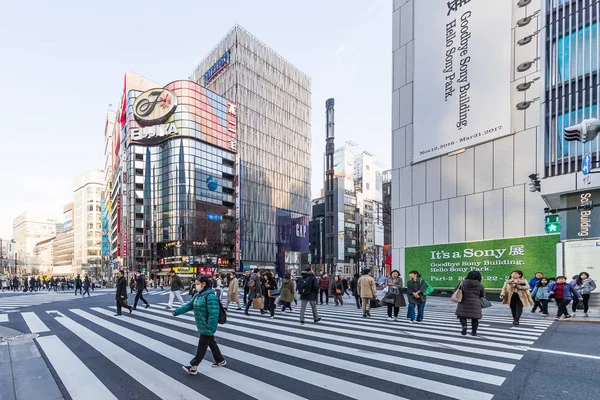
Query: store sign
(154, 106)
(444, 266)
(217, 67)
(153, 132)
(462, 74)
(583, 222)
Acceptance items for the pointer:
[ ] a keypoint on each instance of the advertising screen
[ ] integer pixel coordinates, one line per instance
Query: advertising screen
(462, 74)
(444, 266)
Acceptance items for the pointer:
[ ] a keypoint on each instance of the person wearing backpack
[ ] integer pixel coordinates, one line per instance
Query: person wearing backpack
(415, 289)
(308, 287)
(207, 310)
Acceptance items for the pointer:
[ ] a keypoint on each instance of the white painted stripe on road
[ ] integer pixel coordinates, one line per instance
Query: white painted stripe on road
(157, 382)
(34, 323)
(3, 317)
(562, 353)
(246, 384)
(79, 381)
(378, 346)
(349, 389)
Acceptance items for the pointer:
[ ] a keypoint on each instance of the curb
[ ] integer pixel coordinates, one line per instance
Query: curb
(581, 321)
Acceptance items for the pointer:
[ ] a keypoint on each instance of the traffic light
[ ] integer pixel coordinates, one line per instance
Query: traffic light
(552, 223)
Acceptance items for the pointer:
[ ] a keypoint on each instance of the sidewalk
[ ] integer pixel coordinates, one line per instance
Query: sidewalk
(498, 309)
(24, 374)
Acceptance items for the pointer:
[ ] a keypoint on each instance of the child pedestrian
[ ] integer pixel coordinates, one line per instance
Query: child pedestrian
(541, 295)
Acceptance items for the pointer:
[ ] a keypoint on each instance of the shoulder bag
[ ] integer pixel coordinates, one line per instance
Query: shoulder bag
(457, 296)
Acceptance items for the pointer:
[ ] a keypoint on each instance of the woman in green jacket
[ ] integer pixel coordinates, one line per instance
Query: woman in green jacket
(206, 313)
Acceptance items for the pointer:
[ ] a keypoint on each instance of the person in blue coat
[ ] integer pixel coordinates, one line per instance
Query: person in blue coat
(205, 305)
(563, 293)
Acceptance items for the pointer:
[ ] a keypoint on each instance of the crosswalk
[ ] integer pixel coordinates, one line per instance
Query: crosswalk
(22, 300)
(344, 355)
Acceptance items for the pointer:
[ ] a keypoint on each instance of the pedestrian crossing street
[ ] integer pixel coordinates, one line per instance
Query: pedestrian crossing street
(21, 300)
(342, 355)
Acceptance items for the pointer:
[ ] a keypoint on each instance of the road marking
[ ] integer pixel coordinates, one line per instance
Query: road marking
(3, 317)
(79, 381)
(161, 384)
(562, 353)
(251, 387)
(34, 323)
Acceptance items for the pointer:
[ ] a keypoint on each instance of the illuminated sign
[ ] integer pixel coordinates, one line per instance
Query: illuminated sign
(217, 67)
(152, 132)
(154, 106)
(214, 217)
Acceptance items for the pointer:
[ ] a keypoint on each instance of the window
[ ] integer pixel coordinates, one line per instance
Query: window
(139, 157)
(574, 53)
(367, 184)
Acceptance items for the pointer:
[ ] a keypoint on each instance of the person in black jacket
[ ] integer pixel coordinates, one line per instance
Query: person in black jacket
(78, 285)
(121, 294)
(308, 288)
(140, 284)
(86, 286)
(269, 286)
(354, 288)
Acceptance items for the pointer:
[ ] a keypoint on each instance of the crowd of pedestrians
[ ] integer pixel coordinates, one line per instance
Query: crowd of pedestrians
(54, 283)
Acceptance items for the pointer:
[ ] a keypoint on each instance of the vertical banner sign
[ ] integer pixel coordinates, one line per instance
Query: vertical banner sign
(444, 266)
(462, 74)
(584, 222)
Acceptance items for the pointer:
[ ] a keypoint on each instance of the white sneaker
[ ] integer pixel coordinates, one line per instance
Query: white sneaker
(389, 319)
(395, 318)
(585, 315)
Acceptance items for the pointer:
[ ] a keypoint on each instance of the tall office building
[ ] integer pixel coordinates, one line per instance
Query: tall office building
(29, 229)
(87, 230)
(478, 148)
(274, 165)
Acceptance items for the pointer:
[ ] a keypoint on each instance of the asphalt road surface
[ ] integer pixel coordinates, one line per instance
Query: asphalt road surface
(94, 355)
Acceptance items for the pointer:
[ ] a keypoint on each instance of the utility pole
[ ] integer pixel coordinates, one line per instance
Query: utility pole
(329, 210)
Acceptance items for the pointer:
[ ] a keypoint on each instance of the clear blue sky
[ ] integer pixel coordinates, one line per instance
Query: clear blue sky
(63, 64)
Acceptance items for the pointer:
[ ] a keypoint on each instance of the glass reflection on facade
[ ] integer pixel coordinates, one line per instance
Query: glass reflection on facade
(178, 192)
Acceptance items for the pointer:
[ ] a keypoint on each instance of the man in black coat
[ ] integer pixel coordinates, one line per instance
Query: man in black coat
(121, 295)
(140, 285)
(308, 288)
(78, 285)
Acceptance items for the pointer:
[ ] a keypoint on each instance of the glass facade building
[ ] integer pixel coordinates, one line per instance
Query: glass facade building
(274, 140)
(178, 198)
(572, 91)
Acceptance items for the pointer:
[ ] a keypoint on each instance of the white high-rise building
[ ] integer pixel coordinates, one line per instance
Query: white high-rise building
(87, 225)
(29, 229)
(368, 176)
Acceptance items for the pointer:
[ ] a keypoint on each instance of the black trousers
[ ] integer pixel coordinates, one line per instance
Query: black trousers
(270, 305)
(204, 343)
(544, 306)
(139, 296)
(120, 305)
(358, 302)
(586, 300)
(562, 307)
(474, 323)
(326, 291)
(516, 306)
(396, 310)
(245, 296)
(80, 290)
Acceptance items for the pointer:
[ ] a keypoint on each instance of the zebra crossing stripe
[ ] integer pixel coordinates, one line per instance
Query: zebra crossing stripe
(79, 381)
(361, 342)
(250, 386)
(3, 317)
(336, 385)
(34, 323)
(159, 383)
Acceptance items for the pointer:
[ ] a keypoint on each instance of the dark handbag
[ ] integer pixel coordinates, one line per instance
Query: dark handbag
(274, 293)
(389, 298)
(485, 303)
(579, 305)
(124, 303)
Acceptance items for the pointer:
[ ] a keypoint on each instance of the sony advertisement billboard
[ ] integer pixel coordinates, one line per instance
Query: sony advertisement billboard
(462, 74)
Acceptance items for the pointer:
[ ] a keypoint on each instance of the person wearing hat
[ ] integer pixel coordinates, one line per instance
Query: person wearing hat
(366, 291)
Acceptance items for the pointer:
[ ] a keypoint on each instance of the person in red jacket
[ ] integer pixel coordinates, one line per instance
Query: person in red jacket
(324, 288)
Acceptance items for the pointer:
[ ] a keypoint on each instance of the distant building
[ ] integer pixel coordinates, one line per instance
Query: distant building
(87, 235)
(43, 252)
(29, 229)
(63, 245)
(387, 206)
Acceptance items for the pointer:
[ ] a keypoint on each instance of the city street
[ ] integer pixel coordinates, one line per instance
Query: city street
(93, 354)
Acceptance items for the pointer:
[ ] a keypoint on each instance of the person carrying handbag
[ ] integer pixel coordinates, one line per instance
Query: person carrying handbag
(394, 297)
(469, 305)
(255, 296)
(338, 291)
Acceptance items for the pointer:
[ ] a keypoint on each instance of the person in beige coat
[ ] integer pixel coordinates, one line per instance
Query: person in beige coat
(515, 292)
(233, 293)
(366, 291)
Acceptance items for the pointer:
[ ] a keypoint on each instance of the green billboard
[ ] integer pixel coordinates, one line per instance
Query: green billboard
(447, 264)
